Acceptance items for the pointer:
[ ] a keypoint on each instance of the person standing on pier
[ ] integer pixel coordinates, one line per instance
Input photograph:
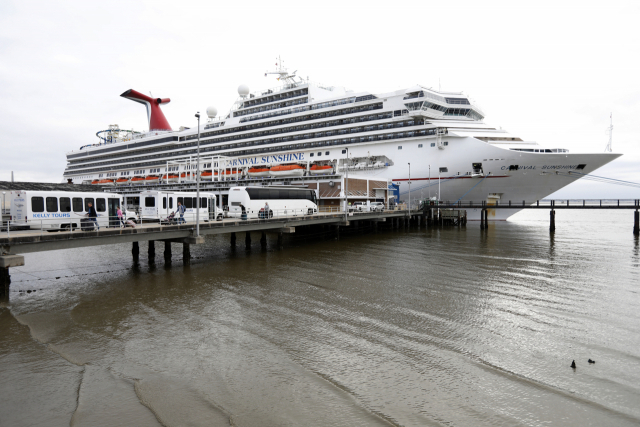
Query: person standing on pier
(120, 218)
(181, 212)
(93, 215)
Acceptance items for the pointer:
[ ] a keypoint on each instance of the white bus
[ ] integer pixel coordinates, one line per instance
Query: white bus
(62, 210)
(282, 202)
(156, 205)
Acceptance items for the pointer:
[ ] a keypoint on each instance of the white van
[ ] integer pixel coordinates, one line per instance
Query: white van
(62, 210)
(156, 205)
(281, 201)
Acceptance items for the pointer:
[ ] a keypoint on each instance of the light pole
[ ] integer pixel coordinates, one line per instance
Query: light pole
(429, 183)
(2, 210)
(346, 190)
(198, 181)
(409, 188)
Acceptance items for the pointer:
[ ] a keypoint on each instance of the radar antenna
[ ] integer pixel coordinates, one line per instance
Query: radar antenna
(284, 76)
(610, 132)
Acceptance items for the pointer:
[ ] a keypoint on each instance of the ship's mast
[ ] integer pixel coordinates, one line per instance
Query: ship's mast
(610, 132)
(285, 77)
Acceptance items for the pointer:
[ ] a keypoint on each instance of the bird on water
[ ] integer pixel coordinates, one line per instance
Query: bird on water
(573, 364)
(592, 361)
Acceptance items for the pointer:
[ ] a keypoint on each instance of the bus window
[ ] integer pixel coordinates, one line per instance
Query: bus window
(253, 193)
(203, 202)
(170, 202)
(187, 203)
(194, 202)
(77, 204)
(296, 194)
(149, 202)
(65, 204)
(101, 205)
(164, 202)
(86, 203)
(37, 204)
(263, 193)
(181, 201)
(52, 204)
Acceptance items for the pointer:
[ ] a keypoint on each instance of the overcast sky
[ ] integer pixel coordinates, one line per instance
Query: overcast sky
(550, 72)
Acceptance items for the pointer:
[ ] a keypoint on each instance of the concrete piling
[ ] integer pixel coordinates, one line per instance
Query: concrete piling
(135, 251)
(233, 239)
(263, 239)
(636, 223)
(247, 239)
(280, 238)
(186, 253)
(152, 249)
(552, 220)
(167, 251)
(5, 281)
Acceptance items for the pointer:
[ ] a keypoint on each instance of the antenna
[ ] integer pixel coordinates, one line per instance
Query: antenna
(610, 132)
(289, 79)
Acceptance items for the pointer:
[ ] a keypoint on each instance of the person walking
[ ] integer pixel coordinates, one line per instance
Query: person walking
(93, 215)
(266, 210)
(120, 217)
(181, 211)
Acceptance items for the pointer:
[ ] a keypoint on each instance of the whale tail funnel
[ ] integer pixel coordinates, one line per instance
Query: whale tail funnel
(157, 120)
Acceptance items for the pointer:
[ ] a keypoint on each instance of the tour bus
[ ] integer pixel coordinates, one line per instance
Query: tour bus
(282, 202)
(156, 205)
(62, 210)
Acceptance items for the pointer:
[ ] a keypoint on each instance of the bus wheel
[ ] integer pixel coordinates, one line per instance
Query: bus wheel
(310, 212)
(270, 213)
(219, 218)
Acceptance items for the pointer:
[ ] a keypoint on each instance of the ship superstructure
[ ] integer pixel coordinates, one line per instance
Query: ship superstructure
(311, 129)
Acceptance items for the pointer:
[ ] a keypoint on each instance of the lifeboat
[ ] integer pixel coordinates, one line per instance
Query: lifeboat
(287, 170)
(105, 182)
(259, 171)
(122, 181)
(171, 177)
(207, 175)
(151, 179)
(229, 173)
(137, 180)
(320, 169)
(189, 176)
(95, 181)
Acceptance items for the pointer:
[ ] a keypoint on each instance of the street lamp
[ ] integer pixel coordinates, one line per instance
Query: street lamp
(346, 190)
(409, 188)
(198, 181)
(2, 210)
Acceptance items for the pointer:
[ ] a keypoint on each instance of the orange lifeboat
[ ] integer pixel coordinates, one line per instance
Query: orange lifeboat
(259, 171)
(171, 177)
(287, 170)
(320, 169)
(138, 180)
(95, 181)
(122, 181)
(207, 175)
(105, 182)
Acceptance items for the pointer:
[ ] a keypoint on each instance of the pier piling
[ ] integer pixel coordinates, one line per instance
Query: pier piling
(233, 239)
(167, 251)
(636, 223)
(135, 251)
(186, 253)
(152, 249)
(552, 220)
(247, 239)
(280, 237)
(5, 281)
(263, 239)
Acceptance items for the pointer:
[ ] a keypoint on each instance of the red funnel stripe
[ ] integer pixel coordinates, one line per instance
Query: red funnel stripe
(157, 120)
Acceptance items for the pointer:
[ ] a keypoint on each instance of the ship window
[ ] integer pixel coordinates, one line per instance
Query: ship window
(326, 153)
(65, 204)
(581, 166)
(445, 143)
(320, 153)
(311, 155)
(433, 144)
(37, 204)
(344, 151)
(52, 204)
(77, 204)
(399, 147)
(444, 170)
(101, 205)
(419, 145)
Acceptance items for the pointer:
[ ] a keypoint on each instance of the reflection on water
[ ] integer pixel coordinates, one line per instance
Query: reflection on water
(421, 327)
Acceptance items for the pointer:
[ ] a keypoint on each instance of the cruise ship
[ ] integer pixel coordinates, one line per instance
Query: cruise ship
(436, 143)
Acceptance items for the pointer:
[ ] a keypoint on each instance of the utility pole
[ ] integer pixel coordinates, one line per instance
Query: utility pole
(198, 181)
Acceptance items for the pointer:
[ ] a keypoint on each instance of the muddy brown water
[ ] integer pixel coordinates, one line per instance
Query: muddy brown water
(453, 327)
